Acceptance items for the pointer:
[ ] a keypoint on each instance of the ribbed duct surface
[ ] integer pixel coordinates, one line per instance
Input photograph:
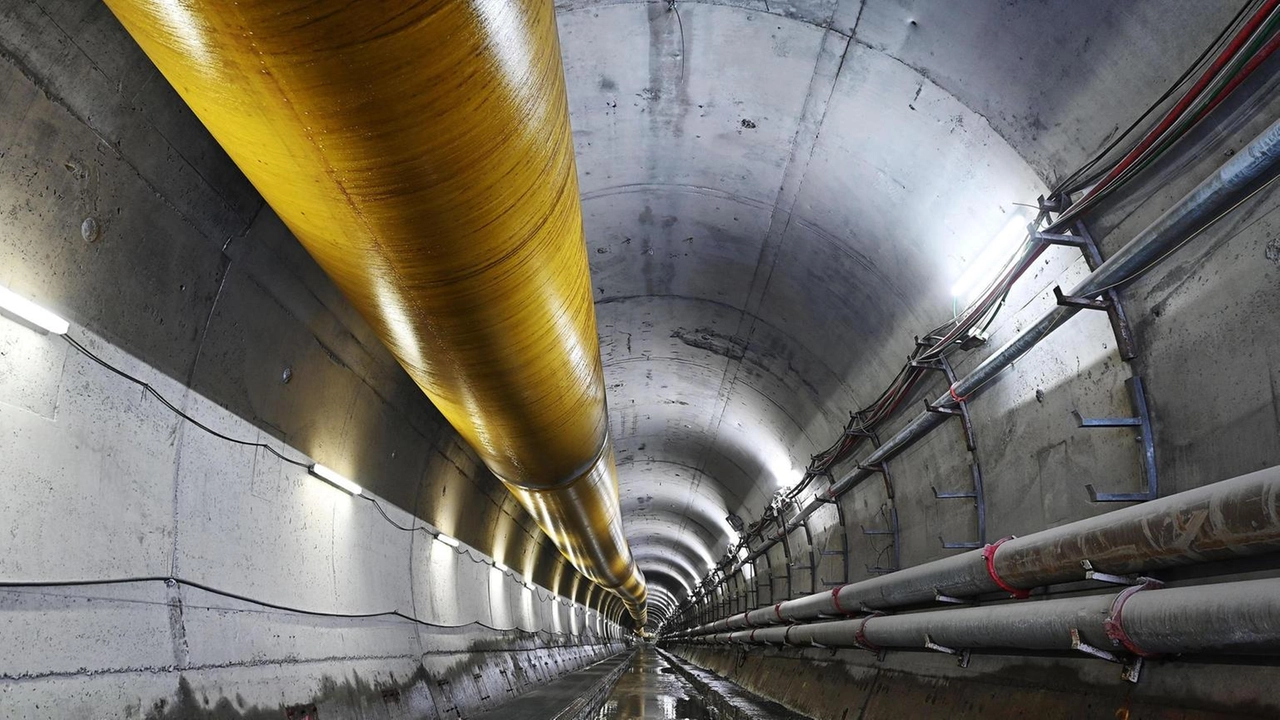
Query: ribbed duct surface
(422, 154)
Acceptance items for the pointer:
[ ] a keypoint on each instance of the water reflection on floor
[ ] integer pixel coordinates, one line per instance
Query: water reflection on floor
(651, 690)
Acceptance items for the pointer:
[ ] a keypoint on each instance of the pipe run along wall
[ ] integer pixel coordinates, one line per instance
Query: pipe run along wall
(1227, 519)
(421, 152)
(1238, 617)
(1254, 165)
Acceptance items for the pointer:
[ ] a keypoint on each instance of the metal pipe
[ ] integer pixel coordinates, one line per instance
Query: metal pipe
(1237, 617)
(421, 152)
(1253, 165)
(1227, 519)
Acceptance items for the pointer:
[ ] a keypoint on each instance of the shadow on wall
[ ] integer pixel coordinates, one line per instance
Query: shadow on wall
(188, 270)
(481, 680)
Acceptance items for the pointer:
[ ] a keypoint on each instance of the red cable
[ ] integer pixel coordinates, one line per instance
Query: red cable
(1263, 53)
(1188, 98)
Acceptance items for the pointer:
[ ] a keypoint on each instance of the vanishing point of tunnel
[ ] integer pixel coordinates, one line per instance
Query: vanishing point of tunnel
(631, 359)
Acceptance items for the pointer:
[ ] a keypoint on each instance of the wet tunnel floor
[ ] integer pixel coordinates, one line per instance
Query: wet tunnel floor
(651, 688)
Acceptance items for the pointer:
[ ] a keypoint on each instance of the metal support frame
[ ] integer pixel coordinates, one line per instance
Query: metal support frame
(1109, 300)
(768, 568)
(786, 552)
(962, 656)
(894, 529)
(843, 552)
(1142, 421)
(1132, 667)
(812, 567)
(977, 494)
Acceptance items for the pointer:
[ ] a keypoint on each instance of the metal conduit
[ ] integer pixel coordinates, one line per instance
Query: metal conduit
(1228, 519)
(421, 152)
(1254, 164)
(1236, 617)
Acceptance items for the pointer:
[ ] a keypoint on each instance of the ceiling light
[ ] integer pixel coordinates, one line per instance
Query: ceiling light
(32, 313)
(450, 541)
(334, 479)
(982, 269)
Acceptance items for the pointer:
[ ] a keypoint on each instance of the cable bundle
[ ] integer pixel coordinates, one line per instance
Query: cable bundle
(1242, 46)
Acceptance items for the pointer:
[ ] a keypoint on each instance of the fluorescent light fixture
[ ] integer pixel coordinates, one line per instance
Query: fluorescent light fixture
(498, 564)
(983, 268)
(450, 541)
(334, 479)
(32, 313)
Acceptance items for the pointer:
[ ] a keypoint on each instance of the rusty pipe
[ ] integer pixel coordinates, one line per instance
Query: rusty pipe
(421, 152)
(1228, 519)
(1236, 618)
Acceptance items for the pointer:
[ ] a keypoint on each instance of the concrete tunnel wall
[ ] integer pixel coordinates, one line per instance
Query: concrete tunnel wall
(194, 286)
(755, 281)
(104, 482)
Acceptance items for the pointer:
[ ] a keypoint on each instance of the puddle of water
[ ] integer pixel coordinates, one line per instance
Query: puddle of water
(652, 690)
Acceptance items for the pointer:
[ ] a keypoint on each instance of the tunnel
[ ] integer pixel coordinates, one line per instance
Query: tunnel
(619, 359)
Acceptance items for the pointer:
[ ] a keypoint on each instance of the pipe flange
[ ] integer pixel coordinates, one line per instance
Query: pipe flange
(989, 554)
(835, 600)
(1114, 624)
(860, 637)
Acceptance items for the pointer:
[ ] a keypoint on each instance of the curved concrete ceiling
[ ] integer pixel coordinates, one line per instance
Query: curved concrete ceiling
(778, 195)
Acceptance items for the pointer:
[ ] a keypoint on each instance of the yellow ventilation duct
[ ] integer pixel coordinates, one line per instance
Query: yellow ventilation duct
(421, 152)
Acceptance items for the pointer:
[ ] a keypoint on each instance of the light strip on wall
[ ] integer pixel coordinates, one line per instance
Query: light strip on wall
(32, 313)
(334, 479)
(450, 541)
(983, 269)
(498, 564)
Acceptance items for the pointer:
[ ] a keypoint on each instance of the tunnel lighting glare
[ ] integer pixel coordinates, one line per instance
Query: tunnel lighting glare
(32, 313)
(334, 479)
(447, 540)
(982, 270)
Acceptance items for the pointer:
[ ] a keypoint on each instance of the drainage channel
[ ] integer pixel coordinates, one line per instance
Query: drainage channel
(575, 696)
(659, 685)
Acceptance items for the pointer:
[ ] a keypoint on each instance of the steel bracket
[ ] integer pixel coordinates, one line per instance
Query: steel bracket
(1047, 238)
(1146, 436)
(868, 434)
(942, 409)
(1131, 669)
(1083, 303)
(894, 531)
(1110, 300)
(962, 656)
(1108, 578)
(939, 597)
(977, 495)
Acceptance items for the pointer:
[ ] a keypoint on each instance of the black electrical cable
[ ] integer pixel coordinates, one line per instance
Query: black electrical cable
(982, 313)
(163, 400)
(147, 387)
(247, 443)
(174, 581)
(1072, 183)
